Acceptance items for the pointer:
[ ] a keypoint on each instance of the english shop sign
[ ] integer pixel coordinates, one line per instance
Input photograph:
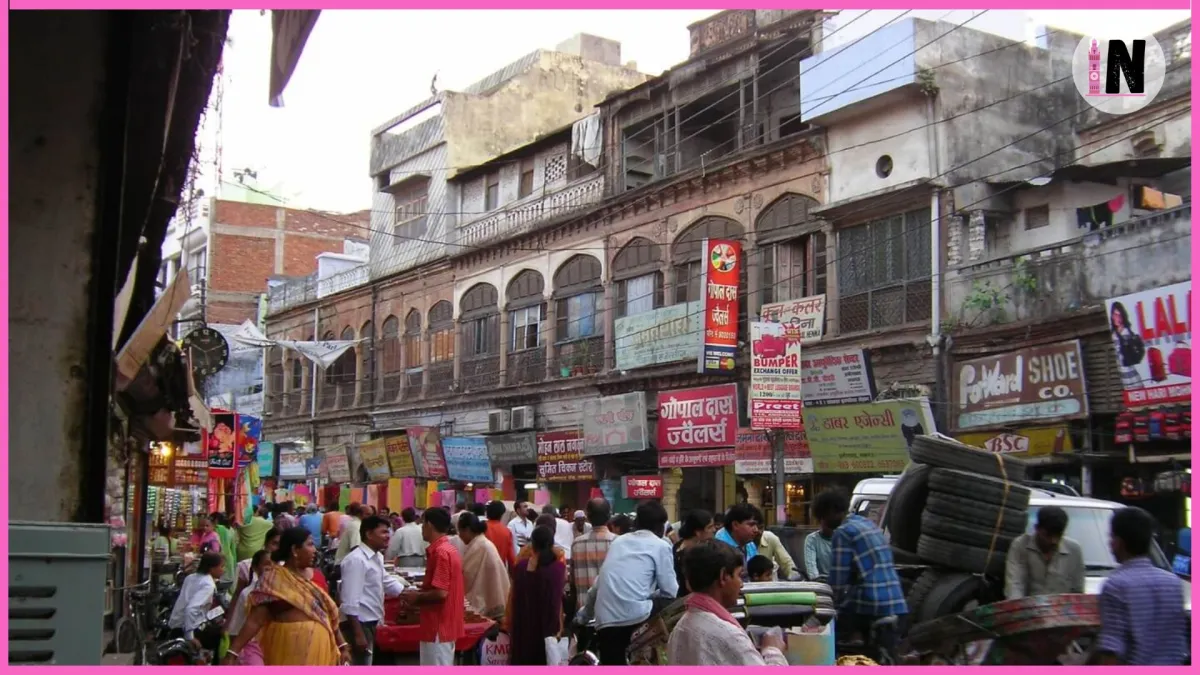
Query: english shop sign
(1034, 384)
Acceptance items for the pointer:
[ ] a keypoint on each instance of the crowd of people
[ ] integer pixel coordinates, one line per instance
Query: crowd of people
(543, 575)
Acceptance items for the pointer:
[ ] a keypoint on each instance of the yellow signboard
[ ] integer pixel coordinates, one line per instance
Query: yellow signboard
(374, 458)
(1031, 442)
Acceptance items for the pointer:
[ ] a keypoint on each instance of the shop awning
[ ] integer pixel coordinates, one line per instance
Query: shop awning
(290, 30)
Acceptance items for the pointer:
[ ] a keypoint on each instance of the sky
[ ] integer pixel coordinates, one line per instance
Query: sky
(360, 68)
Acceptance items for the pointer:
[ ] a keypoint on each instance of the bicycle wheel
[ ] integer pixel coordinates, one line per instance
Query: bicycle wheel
(125, 637)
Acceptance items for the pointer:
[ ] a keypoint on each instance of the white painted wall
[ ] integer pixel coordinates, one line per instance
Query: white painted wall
(854, 150)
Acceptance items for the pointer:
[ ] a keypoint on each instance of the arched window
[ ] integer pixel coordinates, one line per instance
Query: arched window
(414, 357)
(578, 293)
(637, 271)
(791, 249)
(389, 357)
(275, 380)
(346, 371)
(525, 302)
(686, 254)
(297, 396)
(479, 313)
(441, 328)
(330, 380)
(368, 359)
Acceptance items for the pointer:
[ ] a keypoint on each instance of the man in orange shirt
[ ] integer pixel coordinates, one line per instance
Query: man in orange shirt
(330, 522)
(499, 534)
(442, 596)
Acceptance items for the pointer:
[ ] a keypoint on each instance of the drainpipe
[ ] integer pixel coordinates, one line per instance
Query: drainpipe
(936, 339)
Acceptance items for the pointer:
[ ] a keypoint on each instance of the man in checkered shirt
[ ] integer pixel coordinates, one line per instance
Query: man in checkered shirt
(589, 550)
(862, 574)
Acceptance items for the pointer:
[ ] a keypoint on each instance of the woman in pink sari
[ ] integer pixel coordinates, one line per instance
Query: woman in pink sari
(252, 652)
(204, 539)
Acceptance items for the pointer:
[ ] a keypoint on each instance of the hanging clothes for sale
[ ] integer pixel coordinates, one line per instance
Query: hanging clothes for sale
(1099, 215)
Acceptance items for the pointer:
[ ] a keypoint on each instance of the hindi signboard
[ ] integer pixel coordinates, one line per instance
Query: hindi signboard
(776, 377)
(866, 438)
(805, 316)
(467, 459)
(506, 450)
(836, 377)
(399, 456)
(374, 459)
(560, 457)
(614, 424)
(426, 446)
(720, 284)
(663, 335)
(754, 455)
(643, 487)
(702, 417)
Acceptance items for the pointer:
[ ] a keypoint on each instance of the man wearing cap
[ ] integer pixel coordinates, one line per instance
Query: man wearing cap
(582, 526)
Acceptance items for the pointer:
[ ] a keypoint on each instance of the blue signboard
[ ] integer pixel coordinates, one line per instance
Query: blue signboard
(467, 459)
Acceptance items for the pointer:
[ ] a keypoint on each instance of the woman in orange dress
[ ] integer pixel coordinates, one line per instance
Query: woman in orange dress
(296, 622)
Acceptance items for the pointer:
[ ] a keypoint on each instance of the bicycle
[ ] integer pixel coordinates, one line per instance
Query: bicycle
(133, 633)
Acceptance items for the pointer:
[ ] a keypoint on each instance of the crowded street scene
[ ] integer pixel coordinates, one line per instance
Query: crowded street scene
(601, 338)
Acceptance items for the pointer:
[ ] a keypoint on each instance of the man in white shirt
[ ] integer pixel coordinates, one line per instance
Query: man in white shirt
(563, 531)
(349, 536)
(196, 597)
(407, 547)
(520, 526)
(363, 586)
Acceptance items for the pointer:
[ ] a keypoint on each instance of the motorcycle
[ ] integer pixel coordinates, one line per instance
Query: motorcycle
(179, 651)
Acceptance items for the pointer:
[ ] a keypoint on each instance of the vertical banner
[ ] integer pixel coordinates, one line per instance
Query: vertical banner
(719, 286)
(266, 459)
(249, 434)
(806, 316)
(337, 463)
(776, 376)
(222, 446)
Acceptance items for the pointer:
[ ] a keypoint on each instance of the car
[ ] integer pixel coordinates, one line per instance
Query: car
(1088, 524)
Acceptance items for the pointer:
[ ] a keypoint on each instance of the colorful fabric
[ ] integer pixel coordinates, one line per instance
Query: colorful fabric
(445, 621)
(201, 539)
(863, 573)
(1142, 620)
(704, 603)
(228, 538)
(306, 643)
(587, 556)
(252, 537)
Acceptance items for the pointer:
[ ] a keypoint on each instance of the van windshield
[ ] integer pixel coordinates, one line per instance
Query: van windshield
(1090, 527)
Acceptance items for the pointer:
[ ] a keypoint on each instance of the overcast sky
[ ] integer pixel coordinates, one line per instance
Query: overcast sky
(361, 68)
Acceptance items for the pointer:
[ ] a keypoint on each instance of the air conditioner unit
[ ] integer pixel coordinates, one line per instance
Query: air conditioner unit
(497, 421)
(522, 417)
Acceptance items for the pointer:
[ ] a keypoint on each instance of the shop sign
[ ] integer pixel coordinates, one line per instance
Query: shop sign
(399, 456)
(467, 459)
(560, 457)
(1045, 382)
(866, 438)
(837, 377)
(291, 462)
(374, 459)
(507, 450)
(614, 424)
(221, 443)
(643, 487)
(805, 316)
(312, 467)
(665, 335)
(702, 417)
(426, 445)
(337, 463)
(776, 376)
(697, 458)
(720, 284)
(754, 455)
(266, 459)
(1152, 334)
(1032, 442)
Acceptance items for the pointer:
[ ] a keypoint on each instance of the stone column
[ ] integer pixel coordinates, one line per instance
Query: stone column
(550, 335)
(976, 236)
(505, 343)
(610, 325)
(753, 280)
(954, 242)
(672, 481)
(754, 491)
(427, 358)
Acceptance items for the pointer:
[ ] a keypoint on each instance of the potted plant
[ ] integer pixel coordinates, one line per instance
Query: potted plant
(581, 362)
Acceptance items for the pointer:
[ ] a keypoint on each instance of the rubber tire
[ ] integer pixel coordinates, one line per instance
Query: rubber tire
(979, 488)
(947, 593)
(902, 515)
(948, 454)
(916, 595)
(125, 636)
(970, 534)
(963, 558)
(983, 515)
(903, 557)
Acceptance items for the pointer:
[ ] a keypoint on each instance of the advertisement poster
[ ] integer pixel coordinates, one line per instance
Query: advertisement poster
(1028, 442)
(719, 286)
(291, 462)
(560, 457)
(754, 455)
(643, 487)
(1043, 383)
(615, 424)
(702, 417)
(506, 450)
(664, 335)
(696, 458)
(837, 377)
(374, 459)
(467, 459)
(312, 467)
(866, 438)
(266, 459)
(222, 446)
(337, 463)
(806, 316)
(1152, 335)
(249, 434)
(399, 457)
(776, 377)
(426, 445)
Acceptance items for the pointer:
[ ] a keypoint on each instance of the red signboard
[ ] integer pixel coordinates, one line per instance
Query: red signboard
(704, 417)
(560, 457)
(720, 284)
(643, 487)
(695, 458)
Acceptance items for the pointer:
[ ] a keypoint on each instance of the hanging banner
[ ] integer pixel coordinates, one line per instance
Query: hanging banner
(805, 316)
(337, 463)
(467, 459)
(776, 376)
(642, 487)
(836, 377)
(1152, 334)
(614, 424)
(702, 417)
(1044, 383)
(719, 287)
(507, 450)
(321, 352)
(426, 445)
(663, 335)
(374, 459)
(866, 438)
(560, 457)
(249, 434)
(399, 457)
(266, 459)
(222, 446)
(755, 456)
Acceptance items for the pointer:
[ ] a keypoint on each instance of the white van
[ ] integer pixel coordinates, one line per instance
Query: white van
(1088, 524)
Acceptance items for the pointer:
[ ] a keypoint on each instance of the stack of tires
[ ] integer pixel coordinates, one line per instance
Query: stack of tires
(957, 509)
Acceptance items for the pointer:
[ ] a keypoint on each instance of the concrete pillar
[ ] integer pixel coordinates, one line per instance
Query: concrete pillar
(550, 335)
(505, 345)
(753, 280)
(610, 325)
(672, 481)
(976, 237)
(427, 358)
(954, 242)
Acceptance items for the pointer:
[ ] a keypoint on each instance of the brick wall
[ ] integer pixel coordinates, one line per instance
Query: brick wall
(240, 264)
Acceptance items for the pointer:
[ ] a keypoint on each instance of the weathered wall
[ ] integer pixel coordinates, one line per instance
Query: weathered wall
(1165, 123)
(853, 155)
(391, 255)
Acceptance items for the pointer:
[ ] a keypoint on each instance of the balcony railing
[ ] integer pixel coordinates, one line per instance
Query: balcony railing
(1136, 255)
(579, 358)
(291, 293)
(527, 366)
(478, 373)
(526, 214)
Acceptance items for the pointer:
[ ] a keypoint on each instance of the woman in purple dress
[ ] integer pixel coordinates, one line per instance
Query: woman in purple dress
(535, 610)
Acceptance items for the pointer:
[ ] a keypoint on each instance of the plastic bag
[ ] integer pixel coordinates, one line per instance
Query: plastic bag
(495, 652)
(556, 651)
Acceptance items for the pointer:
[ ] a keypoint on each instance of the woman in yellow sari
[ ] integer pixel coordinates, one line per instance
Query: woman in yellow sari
(296, 622)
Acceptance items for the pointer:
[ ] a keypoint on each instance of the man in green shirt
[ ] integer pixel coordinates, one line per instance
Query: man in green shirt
(228, 538)
(253, 535)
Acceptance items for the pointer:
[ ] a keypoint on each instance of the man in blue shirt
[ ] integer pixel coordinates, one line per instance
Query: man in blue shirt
(311, 521)
(637, 578)
(863, 576)
(740, 530)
